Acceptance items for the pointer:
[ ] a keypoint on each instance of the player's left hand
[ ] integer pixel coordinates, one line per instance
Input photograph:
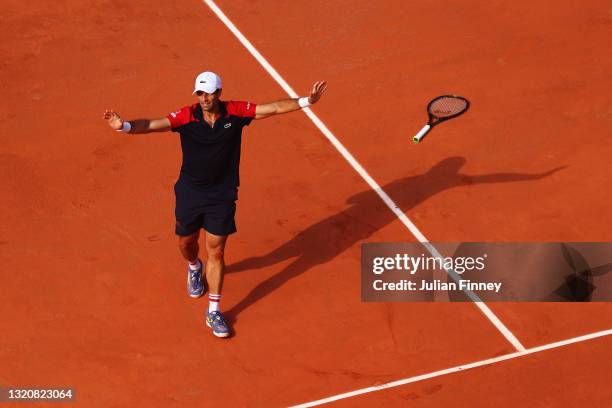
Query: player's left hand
(113, 119)
(318, 89)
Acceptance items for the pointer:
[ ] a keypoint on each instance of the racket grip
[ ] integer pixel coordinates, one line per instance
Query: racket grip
(417, 138)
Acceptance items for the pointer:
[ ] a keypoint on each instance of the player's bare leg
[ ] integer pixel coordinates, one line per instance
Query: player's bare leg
(215, 267)
(215, 264)
(190, 248)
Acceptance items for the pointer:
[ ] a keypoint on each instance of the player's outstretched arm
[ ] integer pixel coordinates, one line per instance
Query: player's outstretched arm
(289, 105)
(137, 125)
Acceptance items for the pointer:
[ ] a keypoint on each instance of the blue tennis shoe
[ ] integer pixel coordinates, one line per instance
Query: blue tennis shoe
(196, 285)
(216, 322)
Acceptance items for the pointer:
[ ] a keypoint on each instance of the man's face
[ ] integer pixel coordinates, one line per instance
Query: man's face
(209, 101)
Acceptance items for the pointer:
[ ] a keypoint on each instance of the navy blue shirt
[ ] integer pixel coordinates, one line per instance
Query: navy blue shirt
(211, 154)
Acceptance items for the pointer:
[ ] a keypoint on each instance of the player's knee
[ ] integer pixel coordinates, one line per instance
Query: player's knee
(215, 253)
(186, 244)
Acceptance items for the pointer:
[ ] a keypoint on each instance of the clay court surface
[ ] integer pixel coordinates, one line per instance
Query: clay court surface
(93, 286)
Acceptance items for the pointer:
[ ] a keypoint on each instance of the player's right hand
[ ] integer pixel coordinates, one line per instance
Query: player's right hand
(318, 89)
(113, 119)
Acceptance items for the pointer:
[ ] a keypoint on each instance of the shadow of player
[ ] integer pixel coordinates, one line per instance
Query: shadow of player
(328, 238)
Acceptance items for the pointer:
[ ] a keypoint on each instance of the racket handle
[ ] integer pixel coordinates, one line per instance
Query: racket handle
(417, 138)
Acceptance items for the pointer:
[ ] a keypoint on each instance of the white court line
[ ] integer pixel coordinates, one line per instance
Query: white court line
(456, 369)
(359, 169)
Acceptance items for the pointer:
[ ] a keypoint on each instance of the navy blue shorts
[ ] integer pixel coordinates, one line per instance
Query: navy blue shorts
(197, 209)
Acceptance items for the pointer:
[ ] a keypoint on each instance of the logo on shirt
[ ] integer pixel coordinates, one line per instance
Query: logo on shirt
(227, 125)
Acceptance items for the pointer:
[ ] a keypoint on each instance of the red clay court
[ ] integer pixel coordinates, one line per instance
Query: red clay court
(93, 286)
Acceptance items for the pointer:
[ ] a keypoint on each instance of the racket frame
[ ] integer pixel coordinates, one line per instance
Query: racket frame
(434, 120)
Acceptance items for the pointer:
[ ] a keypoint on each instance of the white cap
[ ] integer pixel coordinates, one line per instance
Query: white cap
(208, 82)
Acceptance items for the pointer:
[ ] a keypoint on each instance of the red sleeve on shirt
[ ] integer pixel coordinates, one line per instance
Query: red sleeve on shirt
(241, 109)
(180, 117)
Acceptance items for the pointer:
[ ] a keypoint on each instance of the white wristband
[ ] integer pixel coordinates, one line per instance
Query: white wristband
(303, 102)
(126, 127)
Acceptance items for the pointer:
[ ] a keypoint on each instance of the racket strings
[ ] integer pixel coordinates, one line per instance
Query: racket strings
(447, 106)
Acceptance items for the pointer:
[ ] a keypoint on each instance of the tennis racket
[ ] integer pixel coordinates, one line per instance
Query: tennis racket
(442, 108)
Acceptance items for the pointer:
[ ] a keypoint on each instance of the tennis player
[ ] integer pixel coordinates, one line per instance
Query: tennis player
(207, 186)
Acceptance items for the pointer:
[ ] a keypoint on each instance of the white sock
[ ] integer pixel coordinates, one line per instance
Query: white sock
(195, 266)
(213, 302)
